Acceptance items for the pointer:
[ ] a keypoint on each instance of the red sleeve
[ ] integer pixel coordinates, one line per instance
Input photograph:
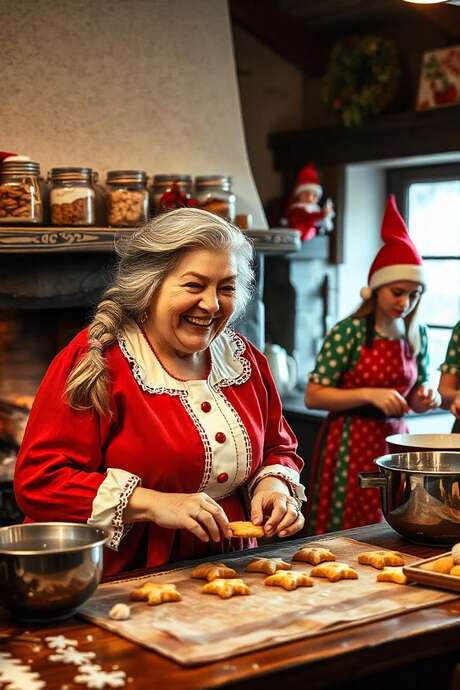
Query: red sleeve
(60, 466)
(280, 444)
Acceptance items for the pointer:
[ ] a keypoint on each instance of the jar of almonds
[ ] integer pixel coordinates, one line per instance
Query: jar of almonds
(170, 191)
(214, 194)
(72, 196)
(20, 196)
(127, 198)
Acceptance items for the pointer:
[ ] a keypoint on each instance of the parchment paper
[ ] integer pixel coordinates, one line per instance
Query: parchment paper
(203, 628)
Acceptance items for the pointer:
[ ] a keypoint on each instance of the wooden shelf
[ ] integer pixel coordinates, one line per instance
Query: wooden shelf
(33, 240)
(397, 135)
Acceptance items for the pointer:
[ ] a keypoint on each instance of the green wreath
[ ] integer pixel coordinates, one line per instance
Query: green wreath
(361, 78)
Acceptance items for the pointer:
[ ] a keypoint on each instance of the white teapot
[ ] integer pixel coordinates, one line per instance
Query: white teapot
(283, 368)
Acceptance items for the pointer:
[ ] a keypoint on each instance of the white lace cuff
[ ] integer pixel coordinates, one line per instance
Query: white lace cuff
(290, 476)
(110, 502)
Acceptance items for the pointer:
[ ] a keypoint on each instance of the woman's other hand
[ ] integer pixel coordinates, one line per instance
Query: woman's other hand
(389, 400)
(284, 515)
(424, 399)
(198, 513)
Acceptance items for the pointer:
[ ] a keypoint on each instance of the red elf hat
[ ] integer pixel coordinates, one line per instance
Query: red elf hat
(307, 178)
(398, 259)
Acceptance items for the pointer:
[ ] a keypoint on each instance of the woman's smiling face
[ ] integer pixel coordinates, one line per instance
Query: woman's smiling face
(195, 301)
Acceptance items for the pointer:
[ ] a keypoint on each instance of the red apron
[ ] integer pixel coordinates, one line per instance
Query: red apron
(349, 443)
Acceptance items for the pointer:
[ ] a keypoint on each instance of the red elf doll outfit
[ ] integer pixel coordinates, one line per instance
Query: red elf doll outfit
(354, 355)
(220, 435)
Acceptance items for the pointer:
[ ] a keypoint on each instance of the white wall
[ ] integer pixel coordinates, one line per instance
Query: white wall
(272, 97)
(110, 84)
(364, 205)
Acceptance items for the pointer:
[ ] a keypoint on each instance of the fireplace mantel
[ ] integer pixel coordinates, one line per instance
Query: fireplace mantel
(72, 239)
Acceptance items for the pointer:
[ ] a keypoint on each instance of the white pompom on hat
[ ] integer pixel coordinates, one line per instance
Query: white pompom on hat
(398, 259)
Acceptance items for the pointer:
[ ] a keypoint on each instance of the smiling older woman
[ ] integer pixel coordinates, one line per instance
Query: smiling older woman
(158, 422)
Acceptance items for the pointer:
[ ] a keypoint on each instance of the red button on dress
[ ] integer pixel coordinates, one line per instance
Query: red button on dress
(206, 406)
(222, 477)
(220, 437)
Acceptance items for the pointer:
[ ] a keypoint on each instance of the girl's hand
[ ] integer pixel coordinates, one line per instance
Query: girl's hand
(455, 407)
(425, 399)
(389, 401)
(284, 515)
(198, 513)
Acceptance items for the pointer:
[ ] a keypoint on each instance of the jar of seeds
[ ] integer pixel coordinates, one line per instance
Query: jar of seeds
(127, 198)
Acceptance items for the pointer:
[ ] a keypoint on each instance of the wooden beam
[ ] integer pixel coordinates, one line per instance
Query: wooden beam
(283, 34)
(446, 17)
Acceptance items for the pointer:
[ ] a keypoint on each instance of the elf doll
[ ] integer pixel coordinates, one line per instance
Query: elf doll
(303, 211)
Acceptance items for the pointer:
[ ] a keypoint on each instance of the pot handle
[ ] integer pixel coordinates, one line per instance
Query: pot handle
(371, 480)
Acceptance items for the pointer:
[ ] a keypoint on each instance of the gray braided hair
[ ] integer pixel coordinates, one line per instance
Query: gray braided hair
(145, 258)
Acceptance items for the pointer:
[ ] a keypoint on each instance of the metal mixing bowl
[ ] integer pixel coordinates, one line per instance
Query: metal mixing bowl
(406, 443)
(420, 494)
(48, 569)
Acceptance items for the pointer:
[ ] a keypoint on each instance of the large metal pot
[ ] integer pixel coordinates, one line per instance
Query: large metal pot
(405, 443)
(420, 494)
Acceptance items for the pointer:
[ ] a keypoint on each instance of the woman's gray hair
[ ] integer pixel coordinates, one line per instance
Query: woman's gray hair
(146, 257)
(153, 251)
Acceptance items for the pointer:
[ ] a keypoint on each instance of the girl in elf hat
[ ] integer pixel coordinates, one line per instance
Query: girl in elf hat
(371, 370)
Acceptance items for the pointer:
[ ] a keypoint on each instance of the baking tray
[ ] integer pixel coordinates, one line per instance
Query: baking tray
(416, 573)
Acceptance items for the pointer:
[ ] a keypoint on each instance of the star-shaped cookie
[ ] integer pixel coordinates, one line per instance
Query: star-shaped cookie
(155, 594)
(380, 559)
(334, 571)
(212, 571)
(313, 555)
(268, 566)
(289, 580)
(226, 588)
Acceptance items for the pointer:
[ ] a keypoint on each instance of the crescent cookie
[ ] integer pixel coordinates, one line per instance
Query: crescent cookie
(268, 566)
(313, 555)
(334, 571)
(246, 529)
(380, 559)
(441, 565)
(226, 588)
(155, 594)
(290, 580)
(395, 575)
(455, 571)
(212, 571)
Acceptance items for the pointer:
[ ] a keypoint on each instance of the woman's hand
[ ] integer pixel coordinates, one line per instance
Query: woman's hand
(389, 401)
(424, 399)
(198, 513)
(284, 516)
(455, 407)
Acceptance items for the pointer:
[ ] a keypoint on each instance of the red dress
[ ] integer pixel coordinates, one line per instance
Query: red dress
(214, 436)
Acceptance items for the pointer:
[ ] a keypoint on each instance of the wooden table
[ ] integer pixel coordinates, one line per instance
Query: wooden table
(415, 650)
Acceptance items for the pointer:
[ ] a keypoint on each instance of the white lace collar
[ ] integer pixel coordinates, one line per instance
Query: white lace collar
(228, 365)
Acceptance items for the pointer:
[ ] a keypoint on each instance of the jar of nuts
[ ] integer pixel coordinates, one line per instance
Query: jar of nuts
(20, 196)
(72, 196)
(214, 194)
(169, 192)
(127, 198)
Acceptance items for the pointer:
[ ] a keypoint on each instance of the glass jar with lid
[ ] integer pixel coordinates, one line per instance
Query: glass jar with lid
(72, 196)
(214, 194)
(20, 196)
(169, 192)
(127, 198)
